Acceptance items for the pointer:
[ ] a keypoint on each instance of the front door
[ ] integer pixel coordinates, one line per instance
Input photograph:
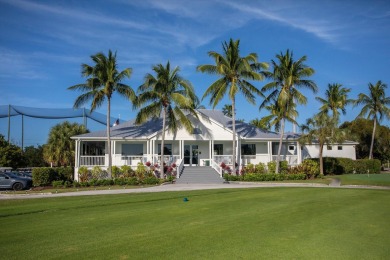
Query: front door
(191, 155)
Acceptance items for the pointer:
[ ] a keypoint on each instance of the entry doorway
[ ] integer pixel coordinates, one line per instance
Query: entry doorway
(191, 155)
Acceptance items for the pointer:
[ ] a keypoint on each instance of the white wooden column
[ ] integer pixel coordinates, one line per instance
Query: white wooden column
(270, 150)
(77, 153)
(299, 153)
(147, 150)
(238, 152)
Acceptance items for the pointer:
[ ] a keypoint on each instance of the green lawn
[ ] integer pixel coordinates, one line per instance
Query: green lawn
(364, 179)
(282, 223)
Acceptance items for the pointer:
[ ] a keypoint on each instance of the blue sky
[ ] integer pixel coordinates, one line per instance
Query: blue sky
(43, 44)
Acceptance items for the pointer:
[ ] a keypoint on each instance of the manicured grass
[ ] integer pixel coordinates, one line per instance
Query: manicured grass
(382, 179)
(282, 223)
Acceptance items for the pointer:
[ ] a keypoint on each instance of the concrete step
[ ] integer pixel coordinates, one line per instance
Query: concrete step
(199, 174)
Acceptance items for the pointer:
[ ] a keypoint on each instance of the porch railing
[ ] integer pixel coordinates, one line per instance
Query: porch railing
(92, 160)
(291, 159)
(168, 159)
(227, 159)
(254, 159)
(131, 160)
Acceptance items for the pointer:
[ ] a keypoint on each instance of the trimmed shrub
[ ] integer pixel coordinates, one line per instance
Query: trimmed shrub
(283, 166)
(84, 174)
(65, 173)
(116, 172)
(310, 168)
(57, 184)
(44, 176)
(151, 180)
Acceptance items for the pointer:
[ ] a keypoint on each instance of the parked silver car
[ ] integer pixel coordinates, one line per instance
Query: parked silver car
(8, 180)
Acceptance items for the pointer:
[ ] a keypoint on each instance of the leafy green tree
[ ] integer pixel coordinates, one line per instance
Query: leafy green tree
(375, 106)
(60, 149)
(287, 77)
(235, 73)
(166, 95)
(361, 130)
(322, 129)
(34, 156)
(103, 79)
(10, 155)
(336, 98)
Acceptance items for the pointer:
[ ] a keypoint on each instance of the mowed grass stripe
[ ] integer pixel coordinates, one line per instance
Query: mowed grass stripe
(218, 224)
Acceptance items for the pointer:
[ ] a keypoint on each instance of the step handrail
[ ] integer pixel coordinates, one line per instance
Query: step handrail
(216, 167)
(180, 168)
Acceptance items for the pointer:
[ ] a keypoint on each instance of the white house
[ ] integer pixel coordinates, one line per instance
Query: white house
(209, 144)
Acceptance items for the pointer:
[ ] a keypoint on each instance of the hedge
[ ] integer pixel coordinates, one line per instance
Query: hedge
(340, 166)
(44, 176)
(265, 177)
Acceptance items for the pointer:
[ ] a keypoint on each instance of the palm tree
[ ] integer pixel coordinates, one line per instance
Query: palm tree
(60, 149)
(287, 76)
(166, 95)
(197, 105)
(375, 105)
(277, 115)
(235, 71)
(262, 123)
(103, 79)
(323, 129)
(227, 110)
(336, 98)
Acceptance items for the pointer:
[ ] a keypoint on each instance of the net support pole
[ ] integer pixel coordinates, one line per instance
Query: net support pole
(9, 122)
(22, 133)
(85, 118)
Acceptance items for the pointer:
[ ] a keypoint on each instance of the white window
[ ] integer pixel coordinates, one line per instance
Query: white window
(248, 149)
(132, 149)
(291, 148)
(329, 147)
(167, 149)
(340, 147)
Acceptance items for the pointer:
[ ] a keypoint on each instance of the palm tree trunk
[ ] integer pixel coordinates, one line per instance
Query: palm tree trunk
(372, 139)
(321, 160)
(162, 145)
(109, 137)
(234, 135)
(280, 146)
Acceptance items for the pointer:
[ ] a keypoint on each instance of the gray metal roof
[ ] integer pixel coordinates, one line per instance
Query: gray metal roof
(243, 129)
(129, 130)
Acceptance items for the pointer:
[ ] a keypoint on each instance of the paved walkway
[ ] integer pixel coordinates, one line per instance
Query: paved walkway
(182, 187)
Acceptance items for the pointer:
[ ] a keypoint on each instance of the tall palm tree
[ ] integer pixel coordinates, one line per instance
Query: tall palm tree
(235, 72)
(60, 149)
(323, 129)
(262, 123)
(376, 105)
(287, 77)
(103, 79)
(277, 116)
(197, 105)
(336, 98)
(227, 110)
(167, 94)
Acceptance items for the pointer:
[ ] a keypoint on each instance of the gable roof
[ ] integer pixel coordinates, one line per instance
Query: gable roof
(128, 130)
(244, 130)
